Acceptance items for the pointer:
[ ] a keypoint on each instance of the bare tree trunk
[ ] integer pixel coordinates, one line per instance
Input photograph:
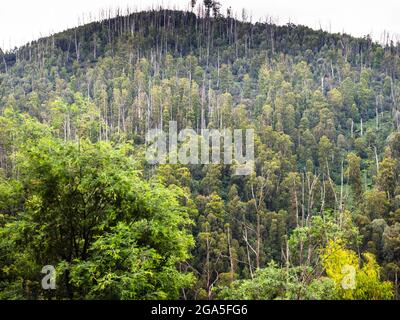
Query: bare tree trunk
(258, 241)
(76, 47)
(245, 236)
(208, 262)
(232, 271)
(5, 64)
(376, 160)
(341, 209)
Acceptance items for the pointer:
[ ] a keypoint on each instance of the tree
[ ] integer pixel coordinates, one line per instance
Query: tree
(375, 204)
(391, 252)
(213, 244)
(354, 174)
(275, 283)
(269, 283)
(387, 177)
(352, 281)
(80, 203)
(208, 4)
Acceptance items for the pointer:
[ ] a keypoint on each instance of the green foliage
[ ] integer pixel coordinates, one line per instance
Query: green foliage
(120, 267)
(80, 203)
(352, 281)
(77, 193)
(276, 283)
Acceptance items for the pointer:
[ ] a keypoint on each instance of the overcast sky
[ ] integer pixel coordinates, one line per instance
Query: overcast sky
(25, 20)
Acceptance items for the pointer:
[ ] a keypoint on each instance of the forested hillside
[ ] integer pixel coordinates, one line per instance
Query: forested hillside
(319, 218)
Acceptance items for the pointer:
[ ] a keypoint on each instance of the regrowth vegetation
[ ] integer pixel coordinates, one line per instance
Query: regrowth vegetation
(319, 218)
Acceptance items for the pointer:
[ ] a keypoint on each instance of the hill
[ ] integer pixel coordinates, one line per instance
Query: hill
(324, 194)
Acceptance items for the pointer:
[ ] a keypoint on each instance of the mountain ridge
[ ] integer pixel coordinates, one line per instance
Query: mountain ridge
(10, 56)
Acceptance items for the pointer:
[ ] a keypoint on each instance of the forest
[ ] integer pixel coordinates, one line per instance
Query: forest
(317, 219)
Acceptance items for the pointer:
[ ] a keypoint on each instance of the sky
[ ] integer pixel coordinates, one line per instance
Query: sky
(22, 21)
